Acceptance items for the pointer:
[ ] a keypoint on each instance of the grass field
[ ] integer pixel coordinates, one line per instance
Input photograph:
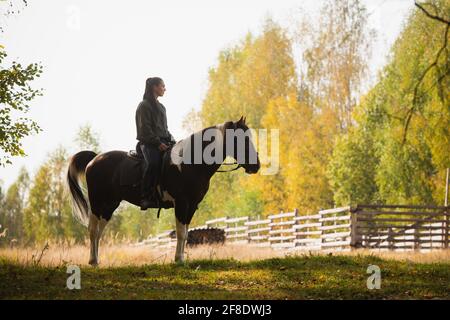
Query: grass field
(230, 272)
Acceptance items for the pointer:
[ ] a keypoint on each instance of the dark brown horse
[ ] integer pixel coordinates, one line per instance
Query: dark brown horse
(183, 184)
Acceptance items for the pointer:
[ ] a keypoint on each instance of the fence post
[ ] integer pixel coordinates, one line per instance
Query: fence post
(271, 229)
(226, 227)
(353, 228)
(416, 239)
(248, 229)
(447, 213)
(391, 239)
(321, 229)
(235, 231)
(296, 222)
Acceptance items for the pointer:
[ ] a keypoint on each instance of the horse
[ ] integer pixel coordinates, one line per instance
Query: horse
(182, 184)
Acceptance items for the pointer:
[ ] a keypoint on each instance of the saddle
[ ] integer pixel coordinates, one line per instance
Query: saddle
(131, 173)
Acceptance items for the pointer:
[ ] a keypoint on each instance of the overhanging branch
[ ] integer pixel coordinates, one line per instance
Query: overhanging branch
(411, 110)
(432, 16)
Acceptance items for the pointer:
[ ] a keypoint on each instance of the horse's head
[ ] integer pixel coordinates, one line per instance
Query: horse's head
(240, 145)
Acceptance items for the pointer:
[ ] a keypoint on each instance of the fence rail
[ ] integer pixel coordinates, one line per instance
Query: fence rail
(394, 227)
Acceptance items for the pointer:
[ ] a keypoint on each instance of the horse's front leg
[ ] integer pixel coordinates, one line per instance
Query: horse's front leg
(182, 233)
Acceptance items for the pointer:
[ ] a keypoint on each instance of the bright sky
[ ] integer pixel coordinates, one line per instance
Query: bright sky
(97, 55)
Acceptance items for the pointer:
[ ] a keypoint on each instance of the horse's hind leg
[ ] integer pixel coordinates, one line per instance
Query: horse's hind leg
(97, 225)
(93, 231)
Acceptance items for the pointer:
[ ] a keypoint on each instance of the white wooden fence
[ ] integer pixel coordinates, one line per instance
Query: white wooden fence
(329, 229)
(364, 226)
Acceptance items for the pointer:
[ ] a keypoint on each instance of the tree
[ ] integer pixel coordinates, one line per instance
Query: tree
(192, 122)
(48, 215)
(434, 64)
(14, 203)
(335, 61)
(87, 139)
(15, 95)
(332, 70)
(2, 214)
(353, 168)
(403, 171)
(248, 76)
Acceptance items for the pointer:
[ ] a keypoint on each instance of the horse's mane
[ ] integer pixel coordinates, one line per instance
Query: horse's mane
(188, 139)
(185, 143)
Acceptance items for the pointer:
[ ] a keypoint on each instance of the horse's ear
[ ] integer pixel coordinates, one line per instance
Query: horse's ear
(229, 125)
(244, 119)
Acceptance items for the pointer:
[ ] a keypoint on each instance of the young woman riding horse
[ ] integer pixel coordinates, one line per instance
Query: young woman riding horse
(183, 183)
(153, 135)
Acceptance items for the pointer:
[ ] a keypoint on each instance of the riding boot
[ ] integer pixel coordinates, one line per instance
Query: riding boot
(145, 198)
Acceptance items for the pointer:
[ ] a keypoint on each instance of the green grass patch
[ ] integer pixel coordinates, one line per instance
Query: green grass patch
(307, 277)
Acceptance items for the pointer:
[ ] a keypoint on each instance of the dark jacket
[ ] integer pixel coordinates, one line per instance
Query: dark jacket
(151, 123)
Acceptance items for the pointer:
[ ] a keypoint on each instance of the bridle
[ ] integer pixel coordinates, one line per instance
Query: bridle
(230, 164)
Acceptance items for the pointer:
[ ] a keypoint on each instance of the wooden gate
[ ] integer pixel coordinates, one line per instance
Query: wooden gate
(400, 227)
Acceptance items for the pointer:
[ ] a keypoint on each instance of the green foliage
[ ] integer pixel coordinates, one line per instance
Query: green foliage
(405, 174)
(14, 204)
(48, 214)
(15, 94)
(396, 170)
(352, 169)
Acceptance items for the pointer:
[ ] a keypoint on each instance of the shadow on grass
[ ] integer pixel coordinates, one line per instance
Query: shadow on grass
(305, 277)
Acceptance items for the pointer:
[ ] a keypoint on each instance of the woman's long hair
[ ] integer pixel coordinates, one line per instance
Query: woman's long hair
(148, 94)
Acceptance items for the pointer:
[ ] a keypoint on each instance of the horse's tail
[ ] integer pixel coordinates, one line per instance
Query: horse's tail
(77, 166)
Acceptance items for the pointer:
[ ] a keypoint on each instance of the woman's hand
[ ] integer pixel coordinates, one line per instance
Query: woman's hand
(163, 147)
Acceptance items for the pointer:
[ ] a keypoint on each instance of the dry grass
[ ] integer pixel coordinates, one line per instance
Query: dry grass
(126, 255)
(221, 272)
(408, 256)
